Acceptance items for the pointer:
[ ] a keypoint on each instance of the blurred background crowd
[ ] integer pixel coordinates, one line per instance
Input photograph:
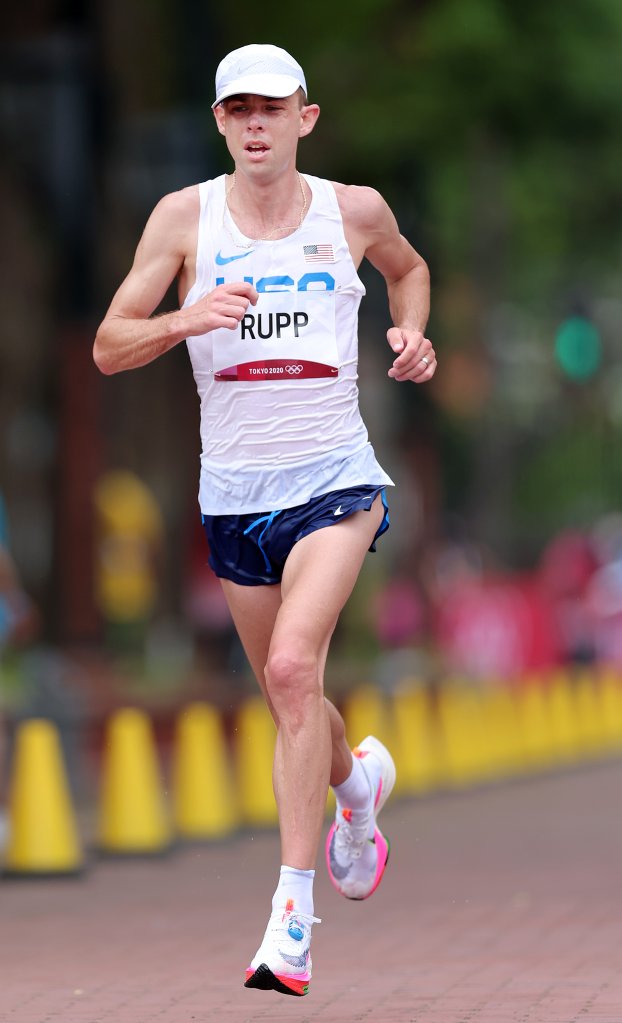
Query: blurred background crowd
(493, 130)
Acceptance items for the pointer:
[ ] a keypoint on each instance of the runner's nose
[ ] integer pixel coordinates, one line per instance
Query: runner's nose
(255, 121)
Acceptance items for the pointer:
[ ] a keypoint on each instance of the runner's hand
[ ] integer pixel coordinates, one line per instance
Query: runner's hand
(223, 307)
(415, 360)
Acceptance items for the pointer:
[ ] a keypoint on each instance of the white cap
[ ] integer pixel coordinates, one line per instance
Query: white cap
(259, 69)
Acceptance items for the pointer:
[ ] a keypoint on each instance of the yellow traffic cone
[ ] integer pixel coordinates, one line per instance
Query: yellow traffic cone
(500, 720)
(466, 750)
(365, 712)
(43, 833)
(483, 744)
(254, 755)
(204, 799)
(535, 722)
(562, 709)
(415, 744)
(133, 819)
(610, 697)
(590, 720)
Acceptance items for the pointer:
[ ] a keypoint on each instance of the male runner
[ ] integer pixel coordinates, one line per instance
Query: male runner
(291, 494)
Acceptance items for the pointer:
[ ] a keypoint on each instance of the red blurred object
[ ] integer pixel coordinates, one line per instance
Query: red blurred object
(567, 565)
(398, 613)
(499, 627)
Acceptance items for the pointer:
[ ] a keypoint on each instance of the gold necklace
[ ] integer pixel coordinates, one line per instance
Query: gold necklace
(281, 227)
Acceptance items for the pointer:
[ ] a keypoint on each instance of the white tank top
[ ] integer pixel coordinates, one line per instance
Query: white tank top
(280, 419)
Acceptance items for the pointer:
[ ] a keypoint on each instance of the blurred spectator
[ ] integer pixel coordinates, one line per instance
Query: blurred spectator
(497, 628)
(604, 590)
(399, 613)
(130, 532)
(489, 623)
(566, 567)
(18, 617)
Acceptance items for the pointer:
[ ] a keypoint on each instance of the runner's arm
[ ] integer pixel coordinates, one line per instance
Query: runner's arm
(407, 279)
(129, 335)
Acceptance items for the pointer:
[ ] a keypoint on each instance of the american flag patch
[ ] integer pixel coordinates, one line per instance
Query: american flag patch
(318, 253)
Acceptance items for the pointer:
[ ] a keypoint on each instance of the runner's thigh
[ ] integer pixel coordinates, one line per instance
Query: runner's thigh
(320, 574)
(254, 610)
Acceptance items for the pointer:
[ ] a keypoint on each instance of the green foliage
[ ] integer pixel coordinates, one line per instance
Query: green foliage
(570, 481)
(421, 96)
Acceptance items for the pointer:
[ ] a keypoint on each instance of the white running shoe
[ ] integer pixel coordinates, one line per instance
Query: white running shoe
(356, 850)
(283, 960)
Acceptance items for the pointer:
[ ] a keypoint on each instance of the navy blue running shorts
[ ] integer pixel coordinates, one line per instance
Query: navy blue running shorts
(252, 549)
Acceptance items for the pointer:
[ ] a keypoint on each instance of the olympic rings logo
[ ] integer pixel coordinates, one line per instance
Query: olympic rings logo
(294, 370)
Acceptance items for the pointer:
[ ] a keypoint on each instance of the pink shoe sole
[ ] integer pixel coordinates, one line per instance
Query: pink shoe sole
(384, 848)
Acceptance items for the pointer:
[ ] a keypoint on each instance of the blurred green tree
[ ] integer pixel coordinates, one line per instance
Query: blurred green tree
(503, 117)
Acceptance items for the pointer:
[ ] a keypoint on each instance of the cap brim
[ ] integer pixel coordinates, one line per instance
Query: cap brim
(277, 86)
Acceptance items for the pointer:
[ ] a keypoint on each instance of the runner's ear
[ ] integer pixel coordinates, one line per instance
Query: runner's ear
(219, 115)
(308, 119)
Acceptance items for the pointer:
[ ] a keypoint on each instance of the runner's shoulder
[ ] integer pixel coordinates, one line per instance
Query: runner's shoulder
(362, 206)
(183, 205)
(174, 220)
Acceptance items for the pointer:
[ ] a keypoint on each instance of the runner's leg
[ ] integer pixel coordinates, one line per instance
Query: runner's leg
(319, 576)
(254, 610)
(287, 641)
(277, 630)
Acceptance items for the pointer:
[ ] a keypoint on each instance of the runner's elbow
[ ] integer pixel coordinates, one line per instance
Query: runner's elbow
(102, 352)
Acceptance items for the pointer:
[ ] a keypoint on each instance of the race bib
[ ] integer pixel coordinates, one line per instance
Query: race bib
(288, 335)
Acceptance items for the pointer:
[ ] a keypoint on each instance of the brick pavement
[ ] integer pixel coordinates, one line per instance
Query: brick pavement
(502, 905)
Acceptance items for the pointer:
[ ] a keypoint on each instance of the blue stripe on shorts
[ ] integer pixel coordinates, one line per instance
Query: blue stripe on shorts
(252, 549)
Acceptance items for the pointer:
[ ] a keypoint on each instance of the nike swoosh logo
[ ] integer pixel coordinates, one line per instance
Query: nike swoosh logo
(337, 869)
(223, 260)
(298, 961)
(338, 511)
(244, 68)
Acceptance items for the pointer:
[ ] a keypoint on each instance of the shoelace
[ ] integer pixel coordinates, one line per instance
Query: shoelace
(283, 919)
(293, 927)
(290, 916)
(289, 933)
(350, 837)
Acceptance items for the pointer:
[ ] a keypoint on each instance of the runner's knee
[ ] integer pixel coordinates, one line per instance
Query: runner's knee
(292, 679)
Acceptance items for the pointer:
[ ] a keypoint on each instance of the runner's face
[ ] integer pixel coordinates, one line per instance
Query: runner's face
(262, 133)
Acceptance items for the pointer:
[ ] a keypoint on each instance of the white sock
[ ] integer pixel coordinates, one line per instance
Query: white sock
(297, 885)
(354, 793)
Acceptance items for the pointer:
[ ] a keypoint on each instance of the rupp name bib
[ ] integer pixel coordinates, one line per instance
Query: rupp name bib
(288, 335)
